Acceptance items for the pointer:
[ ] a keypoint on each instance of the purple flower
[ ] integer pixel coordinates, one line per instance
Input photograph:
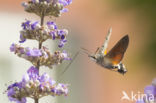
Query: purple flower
(34, 1)
(34, 31)
(46, 58)
(33, 52)
(61, 87)
(62, 37)
(61, 43)
(140, 101)
(52, 34)
(150, 90)
(64, 10)
(48, 1)
(60, 32)
(23, 100)
(13, 85)
(13, 47)
(22, 39)
(11, 92)
(65, 2)
(26, 24)
(33, 25)
(25, 5)
(33, 70)
(69, 1)
(65, 55)
(51, 25)
(52, 7)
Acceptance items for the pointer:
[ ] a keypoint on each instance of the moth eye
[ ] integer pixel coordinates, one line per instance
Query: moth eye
(94, 57)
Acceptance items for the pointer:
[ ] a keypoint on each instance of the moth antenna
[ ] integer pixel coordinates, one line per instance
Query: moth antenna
(86, 51)
(97, 50)
(70, 63)
(105, 44)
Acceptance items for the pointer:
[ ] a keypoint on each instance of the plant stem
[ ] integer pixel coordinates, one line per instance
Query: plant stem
(36, 100)
(39, 47)
(40, 42)
(42, 18)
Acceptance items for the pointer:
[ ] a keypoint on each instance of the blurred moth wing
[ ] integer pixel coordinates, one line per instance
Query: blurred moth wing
(116, 54)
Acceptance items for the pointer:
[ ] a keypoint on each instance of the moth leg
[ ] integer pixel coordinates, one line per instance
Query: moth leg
(115, 67)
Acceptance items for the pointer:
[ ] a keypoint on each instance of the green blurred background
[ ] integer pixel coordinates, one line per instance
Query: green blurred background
(88, 22)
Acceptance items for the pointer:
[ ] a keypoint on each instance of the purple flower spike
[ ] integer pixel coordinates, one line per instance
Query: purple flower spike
(32, 82)
(33, 85)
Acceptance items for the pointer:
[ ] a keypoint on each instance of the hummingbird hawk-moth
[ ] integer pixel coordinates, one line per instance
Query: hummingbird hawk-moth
(113, 59)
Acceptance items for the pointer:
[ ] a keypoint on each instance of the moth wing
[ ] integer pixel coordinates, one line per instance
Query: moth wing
(102, 49)
(117, 52)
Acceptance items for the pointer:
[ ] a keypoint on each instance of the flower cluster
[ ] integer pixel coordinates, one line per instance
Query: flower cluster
(150, 93)
(34, 31)
(34, 85)
(43, 55)
(49, 7)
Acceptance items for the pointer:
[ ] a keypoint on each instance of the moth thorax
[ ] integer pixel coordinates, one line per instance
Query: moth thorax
(100, 60)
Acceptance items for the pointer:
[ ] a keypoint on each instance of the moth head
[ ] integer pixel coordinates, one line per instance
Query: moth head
(122, 69)
(93, 57)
